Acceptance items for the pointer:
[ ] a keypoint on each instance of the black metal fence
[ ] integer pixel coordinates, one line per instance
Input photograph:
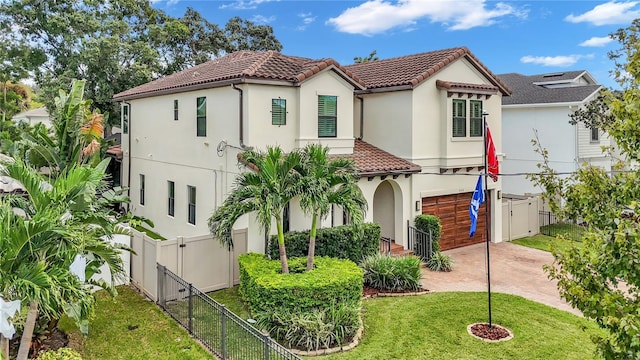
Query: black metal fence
(224, 333)
(551, 225)
(420, 242)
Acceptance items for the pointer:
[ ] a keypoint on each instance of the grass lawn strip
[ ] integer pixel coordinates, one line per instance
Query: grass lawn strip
(156, 336)
(543, 242)
(434, 327)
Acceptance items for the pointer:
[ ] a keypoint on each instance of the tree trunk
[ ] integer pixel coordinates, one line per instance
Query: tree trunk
(4, 347)
(312, 242)
(27, 333)
(283, 251)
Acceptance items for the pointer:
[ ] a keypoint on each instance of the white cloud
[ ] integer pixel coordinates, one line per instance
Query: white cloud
(559, 61)
(261, 19)
(610, 13)
(307, 19)
(169, 2)
(244, 4)
(597, 41)
(376, 16)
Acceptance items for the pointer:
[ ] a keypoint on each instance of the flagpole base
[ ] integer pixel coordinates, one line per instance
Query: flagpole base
(489, 333)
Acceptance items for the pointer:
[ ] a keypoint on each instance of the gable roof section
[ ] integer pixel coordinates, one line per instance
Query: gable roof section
(371, 161)
(238, 67)
(526, 92)
(409, 71)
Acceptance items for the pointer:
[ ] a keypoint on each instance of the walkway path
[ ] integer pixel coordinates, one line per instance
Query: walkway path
(515, 270)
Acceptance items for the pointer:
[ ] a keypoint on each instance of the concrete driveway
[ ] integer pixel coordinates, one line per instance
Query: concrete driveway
(515, 270)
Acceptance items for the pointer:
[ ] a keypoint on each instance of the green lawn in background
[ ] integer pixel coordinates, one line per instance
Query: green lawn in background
(543, 242)
(570, 231)
(434, 326)
(131, 327)
(232, 300)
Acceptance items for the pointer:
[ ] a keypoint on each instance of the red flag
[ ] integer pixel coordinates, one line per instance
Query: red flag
(492, 157)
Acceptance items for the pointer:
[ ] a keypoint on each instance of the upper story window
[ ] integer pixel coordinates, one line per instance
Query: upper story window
(459, 118)
(125, 118)
(595, 134)
(175, 109)
(475, 118)
(278, 112)
(463, 119)
(201, 116)
(327, 115)
(141, 189)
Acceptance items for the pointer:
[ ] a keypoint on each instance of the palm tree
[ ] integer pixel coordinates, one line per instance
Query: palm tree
(325, 182)
(266, 189)
(61, 218)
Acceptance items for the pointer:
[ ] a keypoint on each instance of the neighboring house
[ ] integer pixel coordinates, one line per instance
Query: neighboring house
(181, 135)
(543, 103)
(33, 117)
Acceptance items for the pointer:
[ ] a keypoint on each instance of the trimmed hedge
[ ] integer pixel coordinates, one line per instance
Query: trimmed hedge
(343, 242)
(430, 223)
(265, 289)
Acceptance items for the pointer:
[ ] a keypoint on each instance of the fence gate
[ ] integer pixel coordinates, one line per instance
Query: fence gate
(519, 218)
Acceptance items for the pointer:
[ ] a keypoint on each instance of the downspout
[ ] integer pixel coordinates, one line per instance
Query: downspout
(361, 116)
(241, 115)
(129, 148)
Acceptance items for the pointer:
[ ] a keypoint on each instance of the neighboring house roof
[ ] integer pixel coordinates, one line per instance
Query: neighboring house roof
(371, 160)
(237, 67)
(39, 112)
(409, 71)
(527, 89)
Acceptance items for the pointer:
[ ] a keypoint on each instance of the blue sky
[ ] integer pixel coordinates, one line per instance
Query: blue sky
(528, 37)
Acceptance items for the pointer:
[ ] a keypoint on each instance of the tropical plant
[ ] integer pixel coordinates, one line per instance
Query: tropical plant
(77, 133)
(325, 182)
(385, 272)
(60, 219)
(265, 189)
(440, 262)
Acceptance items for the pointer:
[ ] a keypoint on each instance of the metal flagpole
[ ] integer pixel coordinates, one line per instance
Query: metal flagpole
(486, 212)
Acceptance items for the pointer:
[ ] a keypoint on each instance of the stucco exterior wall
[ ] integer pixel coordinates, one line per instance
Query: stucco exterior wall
(326, 83)
(259, 130)
(388, 121)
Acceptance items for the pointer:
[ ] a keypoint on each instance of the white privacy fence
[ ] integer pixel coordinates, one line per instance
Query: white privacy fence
(520, 217)
(200, 260)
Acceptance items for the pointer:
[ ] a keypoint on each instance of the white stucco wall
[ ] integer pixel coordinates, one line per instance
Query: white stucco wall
(387, 121)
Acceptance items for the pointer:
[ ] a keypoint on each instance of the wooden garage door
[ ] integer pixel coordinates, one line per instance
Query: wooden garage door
(453, 211)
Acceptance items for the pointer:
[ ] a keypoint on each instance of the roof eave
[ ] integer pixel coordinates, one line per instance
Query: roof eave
(388, 172)
(202, 86)
(385, 89)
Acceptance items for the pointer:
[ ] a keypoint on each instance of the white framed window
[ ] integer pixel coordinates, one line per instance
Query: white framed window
(171, 197)
(327, 116)
(595, 134)
(125, 118)
(191, 207)
(278, 112)
(142, 189)
(459, 118)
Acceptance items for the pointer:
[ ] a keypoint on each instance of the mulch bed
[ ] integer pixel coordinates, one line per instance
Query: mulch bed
(54, 340)
(494, 332)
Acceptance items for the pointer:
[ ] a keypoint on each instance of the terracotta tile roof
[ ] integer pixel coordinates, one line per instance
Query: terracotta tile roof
(371, 160)
(240, 65)
(411, 70)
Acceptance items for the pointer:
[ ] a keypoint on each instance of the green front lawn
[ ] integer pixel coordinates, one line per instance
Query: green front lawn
(434, 326)
(543, 242)
(131, 327)
(570, 231)
(431, 326)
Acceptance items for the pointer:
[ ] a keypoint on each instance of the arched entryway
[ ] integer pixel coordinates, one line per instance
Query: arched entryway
(384, 209)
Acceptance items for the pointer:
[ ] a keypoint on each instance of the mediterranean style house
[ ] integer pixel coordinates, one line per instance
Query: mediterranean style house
(412, 125)
(542, 104)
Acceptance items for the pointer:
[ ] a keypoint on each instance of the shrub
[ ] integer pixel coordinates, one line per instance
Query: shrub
(265, 289)
(440, 262)
(60, 354)
(343, 242)
(430, 224)
(315, 329)
(384, 272)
